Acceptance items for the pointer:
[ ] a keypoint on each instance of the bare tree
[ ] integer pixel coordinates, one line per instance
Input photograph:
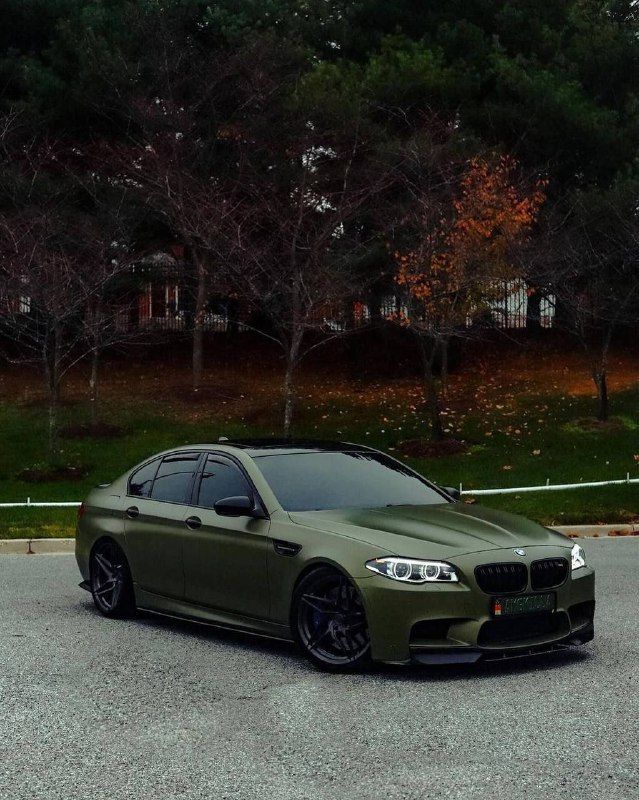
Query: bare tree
(110, 292)
(191, 205)
(43, 299)
(57, 264)
(295, 239)
(105, 240)
(594, 274)
(264, 196)
(180, 154)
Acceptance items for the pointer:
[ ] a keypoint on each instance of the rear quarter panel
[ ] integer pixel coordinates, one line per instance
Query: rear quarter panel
(102, 517)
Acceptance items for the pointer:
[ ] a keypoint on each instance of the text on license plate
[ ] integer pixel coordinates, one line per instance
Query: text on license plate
(523, 604)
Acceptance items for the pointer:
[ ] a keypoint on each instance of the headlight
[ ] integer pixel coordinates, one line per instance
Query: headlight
(578, 557)
(409, 570)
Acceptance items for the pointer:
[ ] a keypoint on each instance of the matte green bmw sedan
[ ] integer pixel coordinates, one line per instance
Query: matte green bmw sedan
(339, 547)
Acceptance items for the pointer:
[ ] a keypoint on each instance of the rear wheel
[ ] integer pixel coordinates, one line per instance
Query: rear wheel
(329, 622)
(111, 584)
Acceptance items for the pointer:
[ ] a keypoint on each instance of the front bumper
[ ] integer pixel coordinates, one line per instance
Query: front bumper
(453, 623)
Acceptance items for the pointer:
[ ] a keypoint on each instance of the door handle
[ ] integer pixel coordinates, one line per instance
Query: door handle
(193, 523)
(132, 512)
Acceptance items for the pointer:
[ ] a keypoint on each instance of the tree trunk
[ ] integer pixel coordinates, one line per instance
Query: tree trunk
(533, 309)
(600, 375)
(561, 319)
(289, 398)
(432, 395)
(292, 359)
(601, 382)
(198, 322)
(93, 386)
(443, 349)
(52, 369)
(437, 430)
(53, 428)
(375, 305)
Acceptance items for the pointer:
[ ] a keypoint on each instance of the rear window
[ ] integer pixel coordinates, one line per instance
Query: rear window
(320, 481)
(141, 482)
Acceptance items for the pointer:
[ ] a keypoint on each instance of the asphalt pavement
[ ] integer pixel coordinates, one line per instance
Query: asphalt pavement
(153, 708)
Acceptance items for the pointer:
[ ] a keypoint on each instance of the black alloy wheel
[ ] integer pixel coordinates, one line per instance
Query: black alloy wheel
(111, 584)
(329, 622)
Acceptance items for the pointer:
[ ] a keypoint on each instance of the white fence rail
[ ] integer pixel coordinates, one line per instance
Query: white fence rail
(550, 487)
(546, 487)
(37, 504)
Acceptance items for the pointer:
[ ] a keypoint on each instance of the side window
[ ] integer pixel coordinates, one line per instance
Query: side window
(173, 479)
(220, 479)
(140, 482)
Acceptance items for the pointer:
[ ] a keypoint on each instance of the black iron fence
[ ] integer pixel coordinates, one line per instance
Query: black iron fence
(507, 306)
(156, 309)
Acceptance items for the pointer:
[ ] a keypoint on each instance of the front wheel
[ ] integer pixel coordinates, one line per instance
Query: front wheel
(329, 622)
(111, 584)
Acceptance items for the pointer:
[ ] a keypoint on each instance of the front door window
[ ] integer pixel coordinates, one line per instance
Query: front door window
(221, 479)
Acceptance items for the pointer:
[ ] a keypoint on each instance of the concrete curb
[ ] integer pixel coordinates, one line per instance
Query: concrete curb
(36, 546)
(596, 531)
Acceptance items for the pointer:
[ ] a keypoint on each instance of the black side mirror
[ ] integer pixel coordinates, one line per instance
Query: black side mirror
(453, 492)
(240, 506)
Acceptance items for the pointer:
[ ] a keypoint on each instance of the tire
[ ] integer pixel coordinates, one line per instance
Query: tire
(328, 621)
(111, 583)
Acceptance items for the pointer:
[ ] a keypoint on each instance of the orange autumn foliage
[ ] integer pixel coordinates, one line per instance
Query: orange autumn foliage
(465, 248)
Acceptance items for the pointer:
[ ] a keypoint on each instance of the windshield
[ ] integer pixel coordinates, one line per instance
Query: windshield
(320, 481)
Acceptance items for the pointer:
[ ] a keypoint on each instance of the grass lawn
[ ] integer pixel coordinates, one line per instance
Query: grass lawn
(521, 432)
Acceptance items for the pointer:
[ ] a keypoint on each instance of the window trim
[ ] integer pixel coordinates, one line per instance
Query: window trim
(160, 460)
(195, 489)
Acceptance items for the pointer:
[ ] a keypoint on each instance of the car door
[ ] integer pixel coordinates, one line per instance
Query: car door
(155, 514)
(225, 557)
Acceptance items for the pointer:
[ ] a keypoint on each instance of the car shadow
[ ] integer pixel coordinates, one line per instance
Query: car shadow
(487, 670)
(249, 641)
(209, 631)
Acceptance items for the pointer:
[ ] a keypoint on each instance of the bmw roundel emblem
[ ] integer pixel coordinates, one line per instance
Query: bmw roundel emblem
(518, 551)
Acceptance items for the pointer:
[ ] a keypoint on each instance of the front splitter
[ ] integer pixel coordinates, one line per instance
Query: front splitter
(473, 655)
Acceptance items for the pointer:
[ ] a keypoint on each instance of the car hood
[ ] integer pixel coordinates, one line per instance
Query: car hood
(435, 531)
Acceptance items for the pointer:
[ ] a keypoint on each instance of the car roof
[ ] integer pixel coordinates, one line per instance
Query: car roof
(273, 446)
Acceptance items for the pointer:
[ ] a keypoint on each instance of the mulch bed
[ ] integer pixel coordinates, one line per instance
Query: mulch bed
(35, 400)
(45, 474)
(100, 430)
(593, 425)
(425, 448)
(204, 394)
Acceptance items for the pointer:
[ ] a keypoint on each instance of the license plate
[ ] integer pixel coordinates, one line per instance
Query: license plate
(523, 604)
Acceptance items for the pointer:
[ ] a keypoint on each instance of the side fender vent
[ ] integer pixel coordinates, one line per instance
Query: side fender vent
(286, 548)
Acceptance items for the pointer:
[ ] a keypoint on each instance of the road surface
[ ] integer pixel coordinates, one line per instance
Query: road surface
(149, 708)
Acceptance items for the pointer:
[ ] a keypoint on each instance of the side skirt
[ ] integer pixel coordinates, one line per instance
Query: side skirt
(180, 609)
